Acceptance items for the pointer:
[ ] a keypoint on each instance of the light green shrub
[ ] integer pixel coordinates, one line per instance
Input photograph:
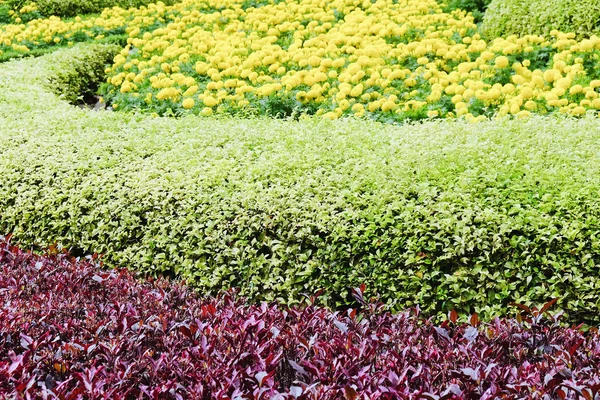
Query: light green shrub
(79, 70)
(446, 215)
(521, 17)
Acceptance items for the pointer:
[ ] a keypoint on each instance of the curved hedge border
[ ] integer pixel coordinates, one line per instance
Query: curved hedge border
(540, 17)
(446, 215)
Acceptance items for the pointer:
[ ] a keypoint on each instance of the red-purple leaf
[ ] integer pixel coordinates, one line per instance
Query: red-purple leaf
(474, 320)
(547, 306)
(350, 393)
(453, 316)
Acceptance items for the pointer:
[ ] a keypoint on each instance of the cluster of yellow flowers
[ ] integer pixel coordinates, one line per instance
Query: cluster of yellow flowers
(52, 31)
(383, 59)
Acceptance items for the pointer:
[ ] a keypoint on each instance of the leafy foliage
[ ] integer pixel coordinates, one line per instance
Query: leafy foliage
(539, 17)
(69, 329)
(437, 214)
(476, 7)
(78, 71)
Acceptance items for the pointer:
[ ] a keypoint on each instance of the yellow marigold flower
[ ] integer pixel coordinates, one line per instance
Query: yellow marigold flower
(526, 92)
(410, 82)
(551, 75)
(518, 79)
(344, 105)
(210, 101)
(509, 88)
(388, 106)
(357, 90)
(564, 83)
(501, 62)
(191, 91)
(575, 89)
(358, 108)
(188, 103)
(374, 106)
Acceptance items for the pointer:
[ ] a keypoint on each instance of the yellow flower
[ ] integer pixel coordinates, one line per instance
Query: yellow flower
(188, 103)
(501, 62)
(191, 91)
(357, 90)
(344, 105)
(358, 108)
(388, 106)
(576, 89)
(526, 92)
(210, 101)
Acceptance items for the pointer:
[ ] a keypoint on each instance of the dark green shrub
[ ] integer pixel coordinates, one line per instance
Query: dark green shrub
(476, 7)
(78, 71)
(521, 17)
(5, 14)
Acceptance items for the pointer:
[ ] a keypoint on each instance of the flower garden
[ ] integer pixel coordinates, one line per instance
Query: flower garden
(298, 199)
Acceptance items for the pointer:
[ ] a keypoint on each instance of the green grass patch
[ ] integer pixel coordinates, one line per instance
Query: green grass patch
(444, 215)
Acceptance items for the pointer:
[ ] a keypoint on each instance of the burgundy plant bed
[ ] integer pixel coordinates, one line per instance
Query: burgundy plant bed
(70, 330)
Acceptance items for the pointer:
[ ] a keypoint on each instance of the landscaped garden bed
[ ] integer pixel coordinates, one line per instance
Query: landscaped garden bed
(344, 199)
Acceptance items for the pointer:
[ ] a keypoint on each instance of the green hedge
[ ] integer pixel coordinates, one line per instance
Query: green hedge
(446, 215)
(522, 17)
(77, 72)
(71, 8)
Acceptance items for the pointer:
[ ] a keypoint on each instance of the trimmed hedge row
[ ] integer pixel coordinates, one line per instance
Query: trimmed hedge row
(440, 214)
(540, 17)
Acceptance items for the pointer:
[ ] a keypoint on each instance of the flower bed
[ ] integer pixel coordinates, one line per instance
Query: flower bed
(389, 61)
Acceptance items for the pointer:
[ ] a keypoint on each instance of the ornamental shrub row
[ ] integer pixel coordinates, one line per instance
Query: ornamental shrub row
(71, 330)
(444, 215)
